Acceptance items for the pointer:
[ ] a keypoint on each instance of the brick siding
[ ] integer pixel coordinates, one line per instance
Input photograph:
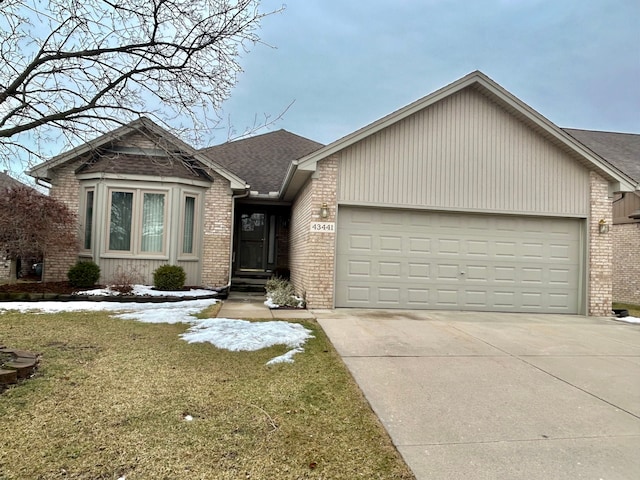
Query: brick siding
(312, 255)
(217, 232)
(600, 249)
(626, 262)
(66, 189)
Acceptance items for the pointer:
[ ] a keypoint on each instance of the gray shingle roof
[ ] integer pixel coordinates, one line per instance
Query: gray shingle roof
(113, 162)
(622, 150)
(6, 181)
(262, 161)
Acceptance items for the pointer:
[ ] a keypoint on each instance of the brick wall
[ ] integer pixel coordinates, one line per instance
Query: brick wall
(5, 267)
(600, 249)
(217, 232)
(312, 255)
(626, 262)
(65, 188)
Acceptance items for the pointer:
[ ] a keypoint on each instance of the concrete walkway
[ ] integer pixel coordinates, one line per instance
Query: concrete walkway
(498, 396)
(247, 306)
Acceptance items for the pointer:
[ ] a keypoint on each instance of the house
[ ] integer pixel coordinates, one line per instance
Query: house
(10, 268)
(467, 199)
(623, 151)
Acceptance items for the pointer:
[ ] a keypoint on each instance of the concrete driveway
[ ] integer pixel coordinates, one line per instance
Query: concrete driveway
(499, 396)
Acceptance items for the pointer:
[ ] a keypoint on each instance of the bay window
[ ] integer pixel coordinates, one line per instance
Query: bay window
(137, 221)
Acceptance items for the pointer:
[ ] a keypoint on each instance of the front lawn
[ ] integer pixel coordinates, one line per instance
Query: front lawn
(112, 397)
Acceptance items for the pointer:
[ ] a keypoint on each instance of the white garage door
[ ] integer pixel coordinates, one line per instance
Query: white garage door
(427, 260)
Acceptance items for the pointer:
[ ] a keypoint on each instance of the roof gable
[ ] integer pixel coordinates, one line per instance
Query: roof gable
(158, 137)
(494, 92)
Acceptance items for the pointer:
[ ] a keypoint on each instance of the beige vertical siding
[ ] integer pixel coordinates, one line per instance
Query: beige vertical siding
(143, 270)
(464, 152)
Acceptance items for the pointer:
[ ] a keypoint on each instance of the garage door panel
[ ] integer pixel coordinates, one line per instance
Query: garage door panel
(457, 261)
(360, 242)
(418, 271)
(419, 246)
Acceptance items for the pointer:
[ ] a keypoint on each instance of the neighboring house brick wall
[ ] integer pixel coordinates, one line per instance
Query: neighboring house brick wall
(626, 262)
(217, 232)
(312, 255)
(5, 267)
(600, 249)
(66, 189)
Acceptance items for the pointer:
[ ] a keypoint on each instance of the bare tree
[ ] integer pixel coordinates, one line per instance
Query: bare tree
(32, 224)
(71, 69)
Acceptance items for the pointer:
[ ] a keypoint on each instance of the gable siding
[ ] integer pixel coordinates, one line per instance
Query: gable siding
(463, 153)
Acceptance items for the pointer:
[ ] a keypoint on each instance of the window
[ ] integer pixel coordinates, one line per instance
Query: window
(137, 221)
(120, 223)
(152, 222)
(88, 220)
(189, 224)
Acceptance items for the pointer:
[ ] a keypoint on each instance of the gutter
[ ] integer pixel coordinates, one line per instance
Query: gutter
(38, 180)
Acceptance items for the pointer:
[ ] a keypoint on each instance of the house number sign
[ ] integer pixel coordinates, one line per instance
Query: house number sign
(323, 227)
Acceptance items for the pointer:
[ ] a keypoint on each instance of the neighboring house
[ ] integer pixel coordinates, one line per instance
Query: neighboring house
(6, 270)
(623, 151)
(467, 199)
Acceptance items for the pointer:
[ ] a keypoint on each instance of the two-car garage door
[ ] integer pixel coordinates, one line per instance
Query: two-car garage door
(415, 259)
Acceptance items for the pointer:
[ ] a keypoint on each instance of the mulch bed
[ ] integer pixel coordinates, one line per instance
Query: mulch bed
(61, 288)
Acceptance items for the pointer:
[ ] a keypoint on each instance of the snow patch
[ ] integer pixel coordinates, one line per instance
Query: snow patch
(242, 335)
(147, 291)
(628, 319)
(272, 305)
(226, 333)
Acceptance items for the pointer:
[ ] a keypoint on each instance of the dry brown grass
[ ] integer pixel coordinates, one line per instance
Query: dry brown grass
(111, 395)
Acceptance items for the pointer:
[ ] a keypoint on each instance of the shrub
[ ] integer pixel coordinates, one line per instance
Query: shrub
(278, 283)
(123, 280)
(84, 274)
(169, 277)
(281, 293)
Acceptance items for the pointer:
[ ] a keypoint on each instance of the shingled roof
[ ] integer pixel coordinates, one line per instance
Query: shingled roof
(161, 166)
(7, 182)
(262, 160)
(622, 150)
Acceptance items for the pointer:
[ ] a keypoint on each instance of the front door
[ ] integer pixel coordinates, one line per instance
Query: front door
(251, 251)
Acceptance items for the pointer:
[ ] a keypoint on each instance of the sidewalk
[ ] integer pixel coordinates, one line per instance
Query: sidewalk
(246, 306)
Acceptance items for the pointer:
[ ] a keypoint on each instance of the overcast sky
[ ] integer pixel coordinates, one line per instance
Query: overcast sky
(347, 63)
